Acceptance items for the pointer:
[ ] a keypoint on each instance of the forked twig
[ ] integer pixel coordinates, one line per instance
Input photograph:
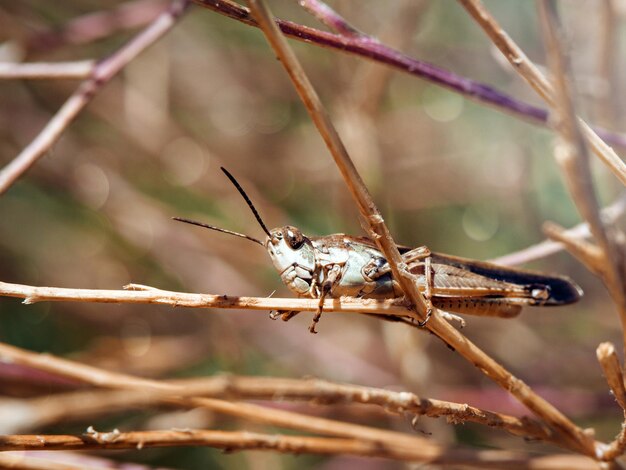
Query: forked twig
(571, 153)
(547, 247)
(524, 66)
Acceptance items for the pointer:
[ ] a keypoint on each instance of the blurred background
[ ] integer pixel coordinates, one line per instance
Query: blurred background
(446, 172)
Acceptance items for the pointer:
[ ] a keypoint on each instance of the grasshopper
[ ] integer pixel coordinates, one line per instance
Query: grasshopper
(343, 265)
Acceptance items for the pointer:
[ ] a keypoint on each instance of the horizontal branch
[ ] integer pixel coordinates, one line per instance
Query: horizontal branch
(227, 440)
(38, 412)
(151, 295)
(231, 441)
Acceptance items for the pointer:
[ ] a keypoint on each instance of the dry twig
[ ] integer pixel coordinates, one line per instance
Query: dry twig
(82, 404)
(524, 66)
(242, 440)
(571, 153)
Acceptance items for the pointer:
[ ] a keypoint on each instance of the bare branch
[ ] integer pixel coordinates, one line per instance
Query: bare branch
(38, 412)
(607, 60)
(227, 440)
(612, 371)
(547, 247)
(243, 440)
(571, 153)
(151, 295)
(330, 18)
(524, 66)
(272, 416)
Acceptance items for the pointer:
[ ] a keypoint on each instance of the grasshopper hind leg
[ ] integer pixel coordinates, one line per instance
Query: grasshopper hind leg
(284, 315)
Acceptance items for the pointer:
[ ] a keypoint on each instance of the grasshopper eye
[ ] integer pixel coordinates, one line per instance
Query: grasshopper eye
(294, 237)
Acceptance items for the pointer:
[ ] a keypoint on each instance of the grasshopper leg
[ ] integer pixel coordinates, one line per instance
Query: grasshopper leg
(428, 291)
(327, 285)
(284, 315)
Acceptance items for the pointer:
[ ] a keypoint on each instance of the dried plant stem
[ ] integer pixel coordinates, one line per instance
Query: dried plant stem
(571, 153)
(615, 378)
(607, 60)
(524, 66)
(573, 157)
(279, 443)
(547, 247)
(47, 70)
(101, 74)
(372, 49)
(102, 378)
(78, 405)
(553, 417)
(152, 295)
(227, 440)
(586, 252)
(330, 18)
(612, 371)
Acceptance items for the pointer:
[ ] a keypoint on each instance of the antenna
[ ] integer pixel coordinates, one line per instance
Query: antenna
(248, 201)
(212, 227)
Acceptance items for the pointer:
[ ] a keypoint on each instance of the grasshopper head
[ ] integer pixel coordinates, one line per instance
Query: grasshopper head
(288, 246)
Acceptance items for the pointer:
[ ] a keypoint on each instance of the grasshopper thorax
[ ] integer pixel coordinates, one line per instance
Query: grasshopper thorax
(289, 247)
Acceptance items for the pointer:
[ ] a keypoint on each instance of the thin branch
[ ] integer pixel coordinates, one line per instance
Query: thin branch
(102, 73)
(553, 417)
(615, 378)
(330, 18)
(271, 416)
(96, 25)
(46, 70)
(369, 48)
(547, 247)
(232, 441)
(607, 357)
(572, 154)
(524, 66)
(587, 253)
(152, 295)
(227, 440)
(607, 63)
(39, 412)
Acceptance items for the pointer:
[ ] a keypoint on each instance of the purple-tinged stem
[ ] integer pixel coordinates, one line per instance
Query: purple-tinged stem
(366, 46)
